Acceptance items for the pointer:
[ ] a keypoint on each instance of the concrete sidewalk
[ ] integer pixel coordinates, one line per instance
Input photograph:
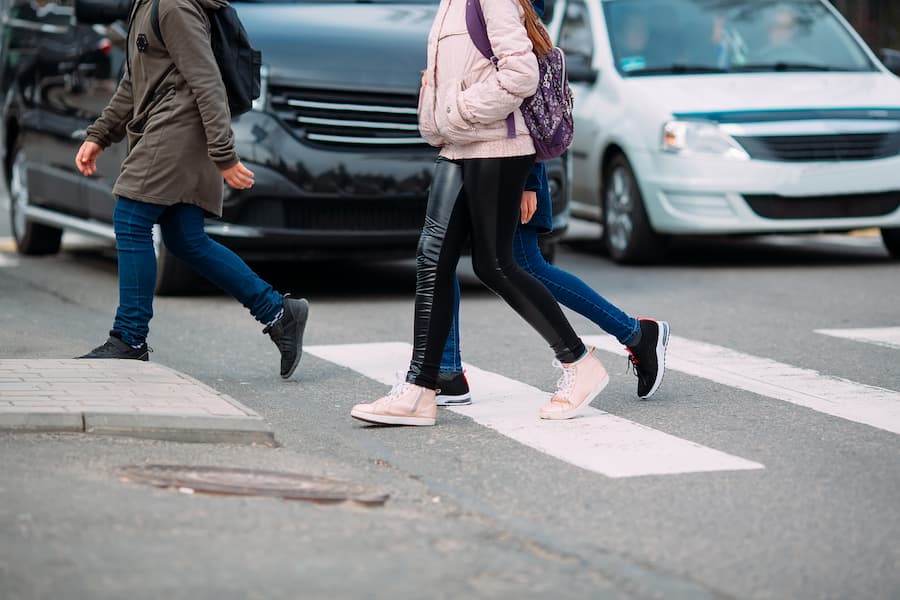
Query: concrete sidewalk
(121, 397)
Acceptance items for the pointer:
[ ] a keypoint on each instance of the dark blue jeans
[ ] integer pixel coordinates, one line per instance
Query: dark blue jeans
(565, 287)
(184, 236)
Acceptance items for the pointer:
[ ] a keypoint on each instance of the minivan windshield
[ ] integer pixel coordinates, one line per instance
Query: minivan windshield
(666, 37)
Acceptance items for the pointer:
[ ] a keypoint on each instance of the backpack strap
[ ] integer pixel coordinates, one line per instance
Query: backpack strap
(154, 22)
(477, 28)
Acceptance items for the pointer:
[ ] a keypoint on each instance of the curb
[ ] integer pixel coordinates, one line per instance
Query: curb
(122, 397)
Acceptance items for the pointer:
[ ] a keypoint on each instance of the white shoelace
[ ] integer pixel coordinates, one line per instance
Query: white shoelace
(566, 382)
(400, 387)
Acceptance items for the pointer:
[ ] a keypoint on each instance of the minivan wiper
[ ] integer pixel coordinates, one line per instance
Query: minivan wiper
(784, 66)
(676, 69)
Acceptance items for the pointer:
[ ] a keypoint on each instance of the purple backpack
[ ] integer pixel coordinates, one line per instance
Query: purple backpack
(548, 114)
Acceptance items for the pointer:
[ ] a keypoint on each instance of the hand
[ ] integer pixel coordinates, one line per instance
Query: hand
(239, 177)
(424, 78)
(529, 205)
(86, 159)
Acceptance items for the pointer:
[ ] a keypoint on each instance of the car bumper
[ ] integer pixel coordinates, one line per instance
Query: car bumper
(700, 195)
(309, 200)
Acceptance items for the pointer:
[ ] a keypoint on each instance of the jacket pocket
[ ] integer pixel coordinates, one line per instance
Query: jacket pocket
(138, 125)
(427, 126)
(450, 123)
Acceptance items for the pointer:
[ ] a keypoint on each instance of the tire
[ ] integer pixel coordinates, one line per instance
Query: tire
(891, 239)
(627, 233)
(173, 276)
(34, 239)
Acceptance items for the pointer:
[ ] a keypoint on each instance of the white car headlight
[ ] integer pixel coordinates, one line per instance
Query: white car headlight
(262, 103)
(700, 137)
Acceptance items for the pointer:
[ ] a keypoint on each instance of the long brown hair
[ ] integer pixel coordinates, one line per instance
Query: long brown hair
(537, 33)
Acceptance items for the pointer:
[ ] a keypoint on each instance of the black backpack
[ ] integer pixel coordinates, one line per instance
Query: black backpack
(239, 63)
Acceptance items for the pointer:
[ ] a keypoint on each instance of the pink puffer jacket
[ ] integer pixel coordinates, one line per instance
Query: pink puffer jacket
(465, 100)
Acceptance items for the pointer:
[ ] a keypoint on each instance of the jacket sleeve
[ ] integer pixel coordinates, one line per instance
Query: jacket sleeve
(536, 177)
(109, 128)
(516, 76)
(185, 29)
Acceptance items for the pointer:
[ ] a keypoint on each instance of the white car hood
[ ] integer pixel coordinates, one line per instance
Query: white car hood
(767, 91)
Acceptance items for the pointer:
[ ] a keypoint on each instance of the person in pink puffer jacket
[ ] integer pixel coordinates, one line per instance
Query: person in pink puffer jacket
(475, 195)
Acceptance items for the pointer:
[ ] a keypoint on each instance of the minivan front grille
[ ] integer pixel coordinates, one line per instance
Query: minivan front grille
(343, 119)
(832, 147)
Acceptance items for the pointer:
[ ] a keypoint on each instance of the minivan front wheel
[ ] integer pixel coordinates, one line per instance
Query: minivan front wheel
(627, 233)
(31, 238)
(891, 239)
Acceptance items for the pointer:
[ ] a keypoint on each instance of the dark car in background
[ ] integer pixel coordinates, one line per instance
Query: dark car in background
(333, 140)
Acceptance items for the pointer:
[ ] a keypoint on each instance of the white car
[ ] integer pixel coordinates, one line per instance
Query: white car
(696, 117)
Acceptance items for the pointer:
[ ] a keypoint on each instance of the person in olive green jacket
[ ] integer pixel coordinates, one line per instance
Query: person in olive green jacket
(172, 107)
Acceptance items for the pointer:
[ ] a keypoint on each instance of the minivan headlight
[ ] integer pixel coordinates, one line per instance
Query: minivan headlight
(700, 137)
(262, 103)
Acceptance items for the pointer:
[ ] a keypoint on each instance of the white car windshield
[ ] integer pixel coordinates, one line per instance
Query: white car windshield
(664, 37)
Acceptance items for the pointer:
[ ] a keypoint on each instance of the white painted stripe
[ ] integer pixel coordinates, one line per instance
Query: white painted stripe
(889, 337)
(8, 261)
(598, 441)
(835, 396)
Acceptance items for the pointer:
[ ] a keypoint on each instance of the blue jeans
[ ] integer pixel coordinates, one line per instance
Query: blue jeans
(451, 360)
(565, 287)
(184, 237)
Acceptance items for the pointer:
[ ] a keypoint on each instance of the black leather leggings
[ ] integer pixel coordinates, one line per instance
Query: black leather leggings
(478, 200)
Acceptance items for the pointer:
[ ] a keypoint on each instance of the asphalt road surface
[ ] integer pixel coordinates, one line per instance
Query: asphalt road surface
(767, 466)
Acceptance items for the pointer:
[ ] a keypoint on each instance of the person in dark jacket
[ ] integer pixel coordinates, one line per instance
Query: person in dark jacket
(172, 107)
(644, 339)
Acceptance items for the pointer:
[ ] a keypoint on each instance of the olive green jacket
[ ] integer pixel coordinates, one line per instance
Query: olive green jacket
(172, 107)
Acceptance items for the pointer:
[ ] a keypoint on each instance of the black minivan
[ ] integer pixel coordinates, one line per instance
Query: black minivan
(333, 139)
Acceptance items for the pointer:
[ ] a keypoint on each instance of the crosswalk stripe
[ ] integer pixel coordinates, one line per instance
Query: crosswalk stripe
(870, 405)
(889, 337)
(598, 441)
(7, 261)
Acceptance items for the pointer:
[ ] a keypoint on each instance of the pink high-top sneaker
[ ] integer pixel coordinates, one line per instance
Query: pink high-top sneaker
(406, 404)
(580, 383)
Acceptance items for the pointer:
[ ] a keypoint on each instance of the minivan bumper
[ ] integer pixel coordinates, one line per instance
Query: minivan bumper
(711, 195)
(310, 199)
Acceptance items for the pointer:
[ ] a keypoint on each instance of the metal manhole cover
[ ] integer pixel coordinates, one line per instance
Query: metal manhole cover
(249, 482)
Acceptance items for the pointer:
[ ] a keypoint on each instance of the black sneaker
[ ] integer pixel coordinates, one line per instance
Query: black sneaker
(453, 390)
(287, 333)
(116, 348)
(649, 356)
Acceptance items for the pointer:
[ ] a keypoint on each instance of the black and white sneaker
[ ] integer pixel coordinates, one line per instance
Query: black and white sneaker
(115, 347)
(453, 390)
(287, 333)
(649, 356)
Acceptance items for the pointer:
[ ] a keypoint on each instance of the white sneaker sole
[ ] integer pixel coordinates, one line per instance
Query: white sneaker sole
(390, 419)
(461, 400)
(573, 412)
(662, 342)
